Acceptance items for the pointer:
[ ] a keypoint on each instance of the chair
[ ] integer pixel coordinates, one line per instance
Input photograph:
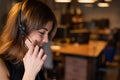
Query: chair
(111, 53)
(109, 63)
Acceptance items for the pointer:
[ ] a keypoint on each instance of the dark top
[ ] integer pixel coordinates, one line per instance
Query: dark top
(16, 71)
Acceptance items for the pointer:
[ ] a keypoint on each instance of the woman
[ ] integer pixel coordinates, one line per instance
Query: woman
(29, 26)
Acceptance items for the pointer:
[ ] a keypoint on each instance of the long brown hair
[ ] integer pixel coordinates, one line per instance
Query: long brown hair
(34, 15)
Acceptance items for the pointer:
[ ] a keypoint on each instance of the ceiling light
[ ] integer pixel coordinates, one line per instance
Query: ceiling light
(108, 0)
(103, 4)
(86, 1)
(63, 1)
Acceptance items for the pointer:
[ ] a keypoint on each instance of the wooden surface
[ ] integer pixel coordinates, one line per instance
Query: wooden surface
(93, 31)
(92, 49)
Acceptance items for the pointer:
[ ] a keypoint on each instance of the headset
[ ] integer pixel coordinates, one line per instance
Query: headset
(21, 27)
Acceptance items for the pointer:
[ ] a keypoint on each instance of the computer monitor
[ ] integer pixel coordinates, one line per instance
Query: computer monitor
(61, 33)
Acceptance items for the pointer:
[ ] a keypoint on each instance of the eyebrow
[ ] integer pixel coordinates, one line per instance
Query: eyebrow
(45, 29)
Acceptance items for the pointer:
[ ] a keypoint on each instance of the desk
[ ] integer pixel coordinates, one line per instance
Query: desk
(81, 59)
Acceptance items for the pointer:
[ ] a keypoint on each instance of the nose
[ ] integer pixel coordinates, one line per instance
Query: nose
(45, 39)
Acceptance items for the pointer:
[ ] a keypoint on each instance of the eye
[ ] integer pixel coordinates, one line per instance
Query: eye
(42, 33)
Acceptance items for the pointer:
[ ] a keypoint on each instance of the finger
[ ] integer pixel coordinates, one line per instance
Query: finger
(32, 46)
(41, 52)
(36, 50)
(44, 57)
(30, 50)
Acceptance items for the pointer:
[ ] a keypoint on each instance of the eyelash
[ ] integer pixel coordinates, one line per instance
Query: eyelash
(42, 33)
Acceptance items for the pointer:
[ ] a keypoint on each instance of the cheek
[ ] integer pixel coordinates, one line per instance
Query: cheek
(36, 38)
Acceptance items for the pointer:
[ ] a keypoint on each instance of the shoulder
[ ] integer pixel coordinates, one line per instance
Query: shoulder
(4, 74)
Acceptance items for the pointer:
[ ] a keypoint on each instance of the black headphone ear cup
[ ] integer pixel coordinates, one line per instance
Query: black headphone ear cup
(21, 27)
(22, 30)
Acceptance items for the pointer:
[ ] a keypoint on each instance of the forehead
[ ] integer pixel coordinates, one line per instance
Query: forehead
(48, 26)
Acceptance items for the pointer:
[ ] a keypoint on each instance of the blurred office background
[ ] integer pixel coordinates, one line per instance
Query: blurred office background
(82, 24)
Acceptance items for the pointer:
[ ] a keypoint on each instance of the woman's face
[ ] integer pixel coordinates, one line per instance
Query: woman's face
(39, 37)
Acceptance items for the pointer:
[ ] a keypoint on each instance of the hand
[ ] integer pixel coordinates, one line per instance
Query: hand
(34, 60)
